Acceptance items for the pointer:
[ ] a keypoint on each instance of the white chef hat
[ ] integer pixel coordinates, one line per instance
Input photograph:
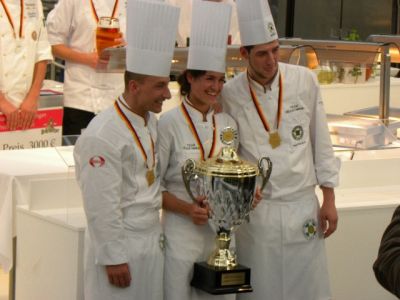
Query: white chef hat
(151, 33)
(209, 36)
(255, 22)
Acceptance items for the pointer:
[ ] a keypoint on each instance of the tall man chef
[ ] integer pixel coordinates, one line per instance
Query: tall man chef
(280, 114)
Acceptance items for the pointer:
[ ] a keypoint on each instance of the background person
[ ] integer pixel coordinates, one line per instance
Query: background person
(280, 114)
(192, 130)
(387, 265)
(24, 54)
(117, 167)
(72, 34)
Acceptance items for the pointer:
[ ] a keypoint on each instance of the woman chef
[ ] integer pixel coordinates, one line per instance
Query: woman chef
(192, 130)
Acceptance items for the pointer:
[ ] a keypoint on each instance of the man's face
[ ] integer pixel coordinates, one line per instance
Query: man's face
(263, 61)
(151, 93)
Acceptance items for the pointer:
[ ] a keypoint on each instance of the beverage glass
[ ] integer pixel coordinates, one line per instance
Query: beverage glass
(107, 33)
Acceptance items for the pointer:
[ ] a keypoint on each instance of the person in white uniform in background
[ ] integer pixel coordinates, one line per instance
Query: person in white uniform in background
(117, 166)
(185, 21)
(72, 34)
(192, 130)
(280, 114)
(24, 54)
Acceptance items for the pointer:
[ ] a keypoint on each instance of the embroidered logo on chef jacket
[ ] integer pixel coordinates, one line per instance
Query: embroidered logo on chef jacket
(97, 161)
(190, 146)
(297, 133)
(30, 9)
(34, 35)
(271, 28)
(310, 229)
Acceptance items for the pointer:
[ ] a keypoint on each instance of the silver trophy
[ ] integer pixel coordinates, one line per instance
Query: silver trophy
(228, 184)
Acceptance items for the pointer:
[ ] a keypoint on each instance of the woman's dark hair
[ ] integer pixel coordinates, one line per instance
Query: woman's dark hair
(184, 83)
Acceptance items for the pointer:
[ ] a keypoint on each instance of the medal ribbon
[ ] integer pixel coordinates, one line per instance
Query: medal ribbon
(95, 12)
(196, 135)
(259, 109)
(21, 17)
(135, 136)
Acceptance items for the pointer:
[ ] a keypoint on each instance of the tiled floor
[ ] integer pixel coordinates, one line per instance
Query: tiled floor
(3, 285)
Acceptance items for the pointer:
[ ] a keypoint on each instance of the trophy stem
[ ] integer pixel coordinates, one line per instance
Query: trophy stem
(222, 257)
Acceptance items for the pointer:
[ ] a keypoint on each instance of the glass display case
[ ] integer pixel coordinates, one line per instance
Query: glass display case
(339, 62)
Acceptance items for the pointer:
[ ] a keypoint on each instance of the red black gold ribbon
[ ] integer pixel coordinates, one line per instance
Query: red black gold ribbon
(95, 12)
(10, 20)
(135, 136)
(259, 109)
(196, 135)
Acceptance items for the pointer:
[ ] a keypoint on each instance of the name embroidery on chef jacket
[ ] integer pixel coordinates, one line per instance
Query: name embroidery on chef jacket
(310, 229)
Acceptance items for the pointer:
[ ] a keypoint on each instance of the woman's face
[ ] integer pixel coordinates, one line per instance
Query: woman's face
(205, 89)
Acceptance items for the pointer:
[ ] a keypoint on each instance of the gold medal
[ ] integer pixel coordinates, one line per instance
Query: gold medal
(150, 177)
(274, 139)
(34, 35)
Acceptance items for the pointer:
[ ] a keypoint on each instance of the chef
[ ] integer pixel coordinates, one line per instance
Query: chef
(117, 166)
(185, 21)
(193, 130)
(280, 114)
(24, 54)
(72, 34)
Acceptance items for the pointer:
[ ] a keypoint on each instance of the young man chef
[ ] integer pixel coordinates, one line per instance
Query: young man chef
(117, 167)
(280, 114)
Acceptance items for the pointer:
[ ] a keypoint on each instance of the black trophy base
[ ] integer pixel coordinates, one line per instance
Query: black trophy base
(218, 281)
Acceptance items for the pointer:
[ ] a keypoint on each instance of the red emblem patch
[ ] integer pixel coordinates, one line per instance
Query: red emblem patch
(97, 161)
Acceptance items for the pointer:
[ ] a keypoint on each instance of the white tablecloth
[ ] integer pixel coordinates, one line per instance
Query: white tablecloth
(17, 167)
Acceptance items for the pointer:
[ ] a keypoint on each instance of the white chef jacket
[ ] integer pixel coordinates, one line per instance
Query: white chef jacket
(19, 56)
(186, 243)
(280, 252)
(73, 24)
(185, 21)
(122, 210)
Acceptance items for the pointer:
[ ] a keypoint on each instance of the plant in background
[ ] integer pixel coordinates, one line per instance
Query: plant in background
(355, 72)
(353, 36)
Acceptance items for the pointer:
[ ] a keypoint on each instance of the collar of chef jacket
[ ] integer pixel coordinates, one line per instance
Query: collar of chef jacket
(196, 115)
(259, 88)
(135, 119)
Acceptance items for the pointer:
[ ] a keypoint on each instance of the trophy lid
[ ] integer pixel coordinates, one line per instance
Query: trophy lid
(227, 163)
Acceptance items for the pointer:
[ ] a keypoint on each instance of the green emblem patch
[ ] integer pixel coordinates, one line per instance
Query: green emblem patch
(297, 132)
(310, 229)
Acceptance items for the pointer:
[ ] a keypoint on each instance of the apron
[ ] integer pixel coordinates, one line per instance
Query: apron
(287, 249)
(144, 240)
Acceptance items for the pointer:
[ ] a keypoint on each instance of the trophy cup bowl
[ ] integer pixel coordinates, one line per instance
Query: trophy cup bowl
(228, 184)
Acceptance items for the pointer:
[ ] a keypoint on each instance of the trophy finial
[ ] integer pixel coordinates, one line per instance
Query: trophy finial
(228, 136)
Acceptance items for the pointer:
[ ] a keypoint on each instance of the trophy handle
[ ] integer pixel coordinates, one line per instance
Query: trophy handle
(265, 174)
(188, 175)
